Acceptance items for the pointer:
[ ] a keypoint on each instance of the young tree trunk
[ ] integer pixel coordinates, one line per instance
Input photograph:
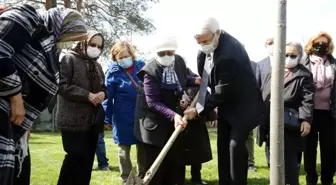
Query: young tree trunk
(277, 174)
(67, 3)
(50, 4)
(79, 5)
(54, 3)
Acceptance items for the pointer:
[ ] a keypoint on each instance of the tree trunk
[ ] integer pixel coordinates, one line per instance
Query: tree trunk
(67, 3)
(277, 174)
(48, 4)
(54, 3)
(79, 5)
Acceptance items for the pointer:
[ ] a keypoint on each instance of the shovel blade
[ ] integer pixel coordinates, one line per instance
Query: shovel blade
(133, 180)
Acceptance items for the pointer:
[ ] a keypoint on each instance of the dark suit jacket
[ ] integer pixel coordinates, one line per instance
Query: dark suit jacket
(298, 95)
(234, 89)
(263, 69)
(254, 66)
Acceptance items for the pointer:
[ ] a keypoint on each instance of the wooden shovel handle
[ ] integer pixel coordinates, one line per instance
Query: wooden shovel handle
(155, 166)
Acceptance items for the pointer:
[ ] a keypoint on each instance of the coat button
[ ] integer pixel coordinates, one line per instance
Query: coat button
(36, 73)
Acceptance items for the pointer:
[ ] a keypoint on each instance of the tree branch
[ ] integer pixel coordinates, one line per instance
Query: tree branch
(36, 1)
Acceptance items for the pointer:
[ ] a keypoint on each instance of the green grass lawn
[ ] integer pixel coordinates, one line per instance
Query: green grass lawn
(47, 156)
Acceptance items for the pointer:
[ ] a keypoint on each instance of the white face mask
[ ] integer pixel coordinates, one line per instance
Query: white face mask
(166, 60)
(65, 45)
(270, 50)
(208, 48)
(93, 52)
(291, 63)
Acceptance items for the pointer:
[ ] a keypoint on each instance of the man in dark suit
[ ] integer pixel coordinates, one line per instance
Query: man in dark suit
(264, 66)
(225, 67)
(263, 69)
(254, 66)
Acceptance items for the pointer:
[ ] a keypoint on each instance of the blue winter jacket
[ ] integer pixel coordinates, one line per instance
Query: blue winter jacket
(121, 99)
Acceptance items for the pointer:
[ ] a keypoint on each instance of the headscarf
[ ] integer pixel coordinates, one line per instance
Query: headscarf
(66, 24)
(45, 29)
(49, 27)
(82, 46)
(62, 24)
(92, 64)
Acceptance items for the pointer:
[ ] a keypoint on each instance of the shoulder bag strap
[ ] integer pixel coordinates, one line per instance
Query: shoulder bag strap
(133, 81)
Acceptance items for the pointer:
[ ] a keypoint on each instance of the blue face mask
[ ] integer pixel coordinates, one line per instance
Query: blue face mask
(126, 63)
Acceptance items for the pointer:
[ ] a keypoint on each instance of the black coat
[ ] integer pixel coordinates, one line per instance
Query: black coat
(332, 61)
(195, 138)
(298, 95)
(234, 89)
(196, 143)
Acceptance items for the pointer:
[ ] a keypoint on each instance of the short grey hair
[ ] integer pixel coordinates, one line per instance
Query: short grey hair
(208, 24)
(298, 46)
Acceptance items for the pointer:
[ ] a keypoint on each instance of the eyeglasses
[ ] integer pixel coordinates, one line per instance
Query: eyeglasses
(95, 45)
(164, 53)
(320, 44)
(292, 56)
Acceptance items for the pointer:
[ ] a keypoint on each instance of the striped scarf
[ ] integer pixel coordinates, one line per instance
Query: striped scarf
(169, 79)
(65, 24)
(29, 64)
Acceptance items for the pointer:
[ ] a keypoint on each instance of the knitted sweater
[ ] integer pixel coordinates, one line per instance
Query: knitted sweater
(74, 111)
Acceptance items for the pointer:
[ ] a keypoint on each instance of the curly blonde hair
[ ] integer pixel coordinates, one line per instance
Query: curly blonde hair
(309, 45)
(120, 47)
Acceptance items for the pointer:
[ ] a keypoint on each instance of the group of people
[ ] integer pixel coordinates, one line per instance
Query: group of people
(309, 98)
(145, 100)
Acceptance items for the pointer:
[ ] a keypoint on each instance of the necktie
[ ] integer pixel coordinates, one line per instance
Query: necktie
(204, 86)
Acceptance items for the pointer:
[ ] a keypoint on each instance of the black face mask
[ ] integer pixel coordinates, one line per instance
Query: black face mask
(320, 49)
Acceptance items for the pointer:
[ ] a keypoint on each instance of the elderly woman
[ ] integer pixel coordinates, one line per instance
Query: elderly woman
(164, 79)
(298, 108)
(29, 74)
(122, 86)
(321, 63)
(81, 93)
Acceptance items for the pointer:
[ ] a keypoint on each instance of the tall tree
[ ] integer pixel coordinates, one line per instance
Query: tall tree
(116, 18)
